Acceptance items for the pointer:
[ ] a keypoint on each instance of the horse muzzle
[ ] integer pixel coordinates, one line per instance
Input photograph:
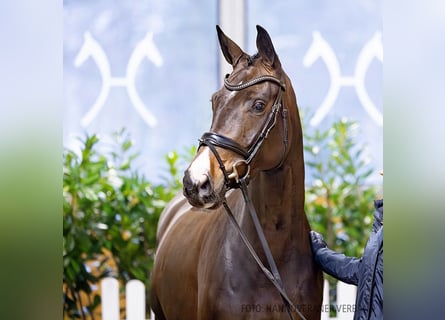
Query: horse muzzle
(201, 192)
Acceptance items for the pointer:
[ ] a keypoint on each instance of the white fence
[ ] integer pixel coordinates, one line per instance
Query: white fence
(345, 305)
(135, 300)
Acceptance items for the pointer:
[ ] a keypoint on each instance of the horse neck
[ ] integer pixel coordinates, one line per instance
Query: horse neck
(280, 190)
(278, 195)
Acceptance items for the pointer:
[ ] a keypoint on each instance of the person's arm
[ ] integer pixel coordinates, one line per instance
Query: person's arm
(333, 263)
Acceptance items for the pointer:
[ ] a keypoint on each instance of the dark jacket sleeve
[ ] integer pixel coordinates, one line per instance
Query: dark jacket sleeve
(338, 265)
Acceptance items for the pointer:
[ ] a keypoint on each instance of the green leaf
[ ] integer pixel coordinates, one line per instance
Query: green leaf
(126, 145)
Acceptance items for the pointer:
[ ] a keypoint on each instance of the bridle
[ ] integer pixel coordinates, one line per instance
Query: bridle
(233, 180)
(213, 140)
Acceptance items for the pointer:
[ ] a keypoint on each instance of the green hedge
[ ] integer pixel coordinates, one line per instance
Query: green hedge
(109, 207)
(339, 201)
(107, 204)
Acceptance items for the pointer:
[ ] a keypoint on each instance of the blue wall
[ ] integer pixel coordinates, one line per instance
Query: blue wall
(177, 90)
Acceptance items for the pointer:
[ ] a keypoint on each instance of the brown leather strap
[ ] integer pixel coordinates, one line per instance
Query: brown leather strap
(273, 274)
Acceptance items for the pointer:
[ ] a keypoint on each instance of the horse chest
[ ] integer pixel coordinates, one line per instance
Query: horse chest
(232, 286)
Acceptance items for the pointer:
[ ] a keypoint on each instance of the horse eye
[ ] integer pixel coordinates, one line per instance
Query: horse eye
(259, 106)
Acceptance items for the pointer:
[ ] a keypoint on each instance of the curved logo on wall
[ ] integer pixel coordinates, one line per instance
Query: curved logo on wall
(145, 49)
(320, 48)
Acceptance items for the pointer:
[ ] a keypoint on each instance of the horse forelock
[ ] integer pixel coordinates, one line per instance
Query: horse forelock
(250, 66)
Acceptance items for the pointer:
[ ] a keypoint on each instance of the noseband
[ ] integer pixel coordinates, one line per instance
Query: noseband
(213, 140)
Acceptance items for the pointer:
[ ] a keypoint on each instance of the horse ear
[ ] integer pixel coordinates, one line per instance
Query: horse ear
(265, 47)
(231, 51)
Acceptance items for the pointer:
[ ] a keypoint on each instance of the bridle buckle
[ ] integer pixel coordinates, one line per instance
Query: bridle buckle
(235, 174)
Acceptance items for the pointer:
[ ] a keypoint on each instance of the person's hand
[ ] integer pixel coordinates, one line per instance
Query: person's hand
(317, 241)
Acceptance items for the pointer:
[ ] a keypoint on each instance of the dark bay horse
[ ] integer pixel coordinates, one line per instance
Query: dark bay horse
(202, 268)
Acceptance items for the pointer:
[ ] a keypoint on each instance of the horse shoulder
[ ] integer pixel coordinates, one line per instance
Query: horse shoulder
(177, 207)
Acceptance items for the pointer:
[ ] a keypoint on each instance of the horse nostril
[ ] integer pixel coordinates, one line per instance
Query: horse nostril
(204, 186)
(201, 187)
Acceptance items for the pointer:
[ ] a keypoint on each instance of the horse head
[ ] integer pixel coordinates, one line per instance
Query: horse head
(91, 48)
(316, 49)
(86, 50)
(147, 49)
(246, 135)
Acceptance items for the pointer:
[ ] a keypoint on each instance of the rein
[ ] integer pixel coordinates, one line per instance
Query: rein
(273, 274)
(213, 140)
